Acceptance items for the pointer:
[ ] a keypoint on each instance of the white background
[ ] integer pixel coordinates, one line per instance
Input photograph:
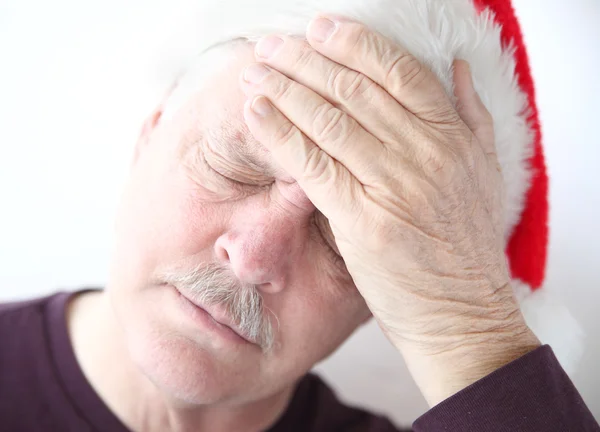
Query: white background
(77, 78)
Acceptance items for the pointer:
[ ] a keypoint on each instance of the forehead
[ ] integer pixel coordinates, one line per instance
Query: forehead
(216, 109)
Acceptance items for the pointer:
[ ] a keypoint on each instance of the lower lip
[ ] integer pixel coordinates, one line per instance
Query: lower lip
(206, 321)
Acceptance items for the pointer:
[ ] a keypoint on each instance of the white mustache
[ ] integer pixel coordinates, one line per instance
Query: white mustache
(211, 284)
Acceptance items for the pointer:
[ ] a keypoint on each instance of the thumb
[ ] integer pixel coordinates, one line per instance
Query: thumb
(471, 108)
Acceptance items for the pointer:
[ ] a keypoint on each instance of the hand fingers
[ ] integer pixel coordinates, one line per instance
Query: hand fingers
(326, 182)
(334, 131)
(388, 64)
(364, 100)
(471, 109)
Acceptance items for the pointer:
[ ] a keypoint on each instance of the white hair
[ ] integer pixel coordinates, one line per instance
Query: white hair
(213, 284)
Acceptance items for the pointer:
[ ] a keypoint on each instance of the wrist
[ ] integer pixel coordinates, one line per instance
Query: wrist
(442, 372)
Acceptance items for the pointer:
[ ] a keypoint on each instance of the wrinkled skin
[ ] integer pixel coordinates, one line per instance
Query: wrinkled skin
(354, 134)
(202, 190)
(414, 197)
(176, 209)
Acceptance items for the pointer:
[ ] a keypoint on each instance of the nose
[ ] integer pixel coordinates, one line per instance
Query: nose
(261, 253)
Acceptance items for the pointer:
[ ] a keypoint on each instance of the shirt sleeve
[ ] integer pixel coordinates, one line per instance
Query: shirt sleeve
(532, 393)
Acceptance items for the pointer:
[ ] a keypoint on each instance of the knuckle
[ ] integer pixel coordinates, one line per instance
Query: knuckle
(284, 133)
(356, 37)
(347, 85)
(281, 88)
(318, 166)
(444, 116)
(404, 71)
(304, 55)
(332, 125)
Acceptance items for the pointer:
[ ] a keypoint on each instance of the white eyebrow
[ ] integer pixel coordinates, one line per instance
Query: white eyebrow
(237, 145)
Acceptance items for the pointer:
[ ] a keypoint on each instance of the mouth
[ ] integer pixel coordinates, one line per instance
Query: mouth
(214, 317)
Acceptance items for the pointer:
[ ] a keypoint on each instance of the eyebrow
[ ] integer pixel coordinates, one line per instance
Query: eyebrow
(237, 146)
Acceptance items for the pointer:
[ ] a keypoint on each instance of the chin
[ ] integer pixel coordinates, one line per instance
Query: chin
(186, 365)
(184, 371)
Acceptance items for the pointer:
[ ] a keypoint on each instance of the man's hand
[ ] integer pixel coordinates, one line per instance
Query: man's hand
(412, 189)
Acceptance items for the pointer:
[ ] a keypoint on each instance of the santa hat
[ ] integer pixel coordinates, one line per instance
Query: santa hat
(528, 243)
(486, 33)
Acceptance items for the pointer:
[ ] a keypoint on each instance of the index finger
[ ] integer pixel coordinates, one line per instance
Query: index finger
(389, 64)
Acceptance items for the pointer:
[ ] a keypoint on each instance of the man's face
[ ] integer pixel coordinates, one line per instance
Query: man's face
(204, 195)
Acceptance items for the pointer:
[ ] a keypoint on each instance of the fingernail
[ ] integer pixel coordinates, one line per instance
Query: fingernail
(321, 29)
(268, 46)
(255, 73)
(261, 106)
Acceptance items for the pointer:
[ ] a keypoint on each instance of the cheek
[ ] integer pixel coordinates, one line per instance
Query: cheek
(163, 219)
(320, 326)
(323, 307)
(328, 288)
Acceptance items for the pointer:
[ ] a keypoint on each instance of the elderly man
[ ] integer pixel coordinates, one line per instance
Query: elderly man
(309, 185)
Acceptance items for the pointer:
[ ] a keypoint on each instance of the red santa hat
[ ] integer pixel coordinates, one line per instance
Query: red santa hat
(487, 34)
(527, 245)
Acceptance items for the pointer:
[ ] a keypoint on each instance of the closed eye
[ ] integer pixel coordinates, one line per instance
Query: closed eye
(257, 184)
(222, 176)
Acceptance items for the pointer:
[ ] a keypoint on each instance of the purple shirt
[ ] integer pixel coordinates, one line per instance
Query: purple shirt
(42, 388)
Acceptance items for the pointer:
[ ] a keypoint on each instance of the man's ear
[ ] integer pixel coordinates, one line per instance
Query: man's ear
(150, 124)
(147, 128)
